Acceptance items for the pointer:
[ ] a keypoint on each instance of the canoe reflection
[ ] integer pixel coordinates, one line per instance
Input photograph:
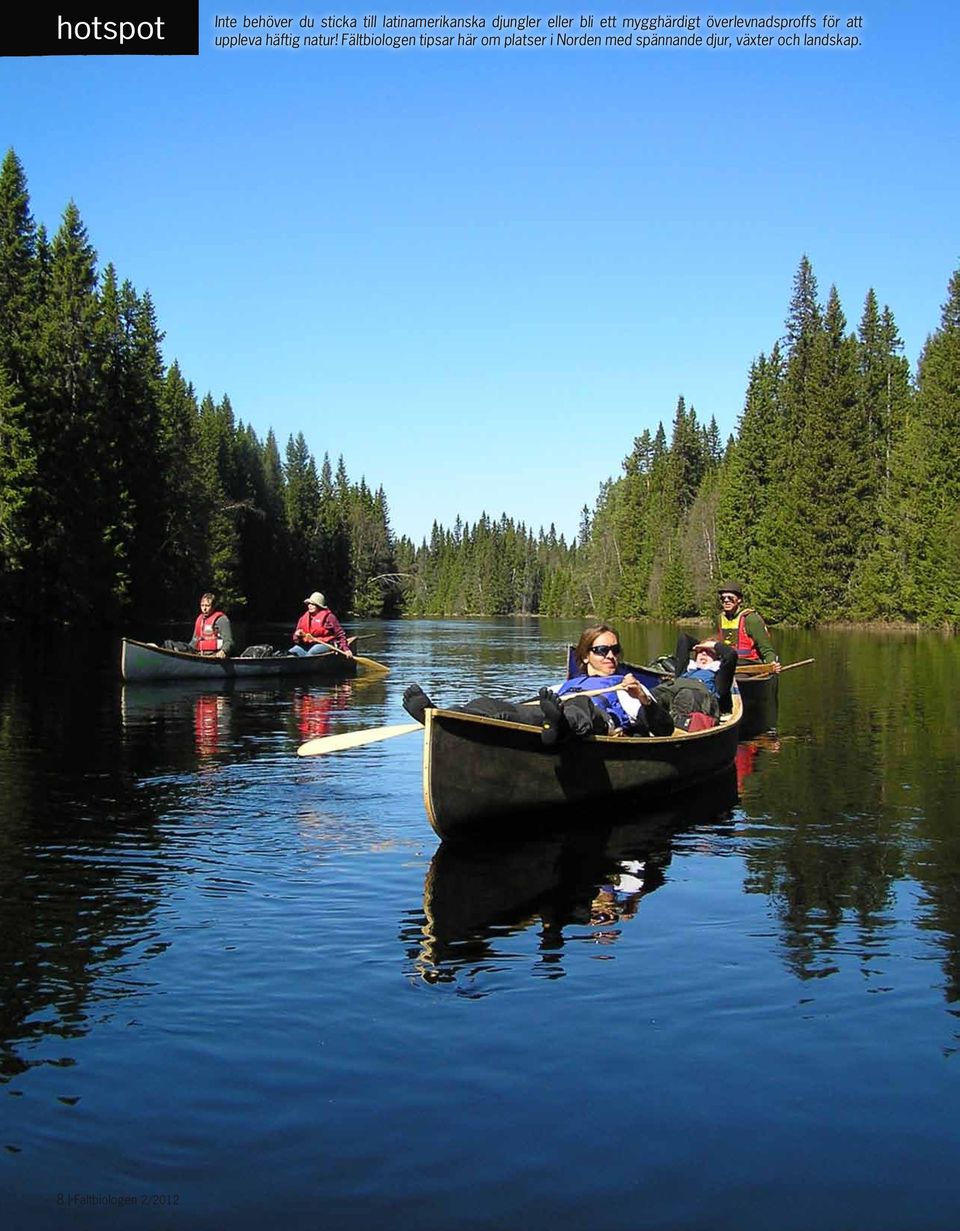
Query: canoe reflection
(213, 716)
(579, 885)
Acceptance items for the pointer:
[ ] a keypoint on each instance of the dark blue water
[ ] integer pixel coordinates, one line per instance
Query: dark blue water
(240, 987)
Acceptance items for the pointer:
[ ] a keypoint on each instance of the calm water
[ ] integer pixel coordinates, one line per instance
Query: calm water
(240, 988)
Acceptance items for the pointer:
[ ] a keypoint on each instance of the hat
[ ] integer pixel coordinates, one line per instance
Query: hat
(730, 587)
(708, 647)
(315, 597)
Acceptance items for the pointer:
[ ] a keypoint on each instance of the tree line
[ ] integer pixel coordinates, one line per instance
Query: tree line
(837, 498)
(124, 493)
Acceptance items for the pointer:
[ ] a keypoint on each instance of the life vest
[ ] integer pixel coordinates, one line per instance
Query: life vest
(733, 632)
(318, 625)
(608, 703)
(206, 639)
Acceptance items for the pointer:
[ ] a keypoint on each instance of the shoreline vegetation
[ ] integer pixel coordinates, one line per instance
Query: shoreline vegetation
(124, 494)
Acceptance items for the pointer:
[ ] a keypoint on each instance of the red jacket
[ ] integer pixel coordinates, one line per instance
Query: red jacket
(205, 639)
(323, 625)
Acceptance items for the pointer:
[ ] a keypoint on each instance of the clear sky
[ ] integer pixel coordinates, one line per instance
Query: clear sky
(478, 274)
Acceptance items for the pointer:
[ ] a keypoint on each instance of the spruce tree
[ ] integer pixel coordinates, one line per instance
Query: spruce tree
(18, 472)
(74, 556)
(20, 275)
(878, 576)
(931, 526)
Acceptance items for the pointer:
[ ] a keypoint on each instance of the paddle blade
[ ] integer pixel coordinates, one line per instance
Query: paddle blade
(354, 739)
(371, 664)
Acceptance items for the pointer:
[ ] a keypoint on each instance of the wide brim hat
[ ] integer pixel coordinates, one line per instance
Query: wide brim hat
(315, 597)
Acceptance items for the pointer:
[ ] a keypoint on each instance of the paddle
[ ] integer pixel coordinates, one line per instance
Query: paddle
(802, 663)
(354, 739)
(323, 744)
(760, 671)
(369, 664)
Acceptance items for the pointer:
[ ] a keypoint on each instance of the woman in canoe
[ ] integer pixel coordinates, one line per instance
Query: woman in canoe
(630, 710)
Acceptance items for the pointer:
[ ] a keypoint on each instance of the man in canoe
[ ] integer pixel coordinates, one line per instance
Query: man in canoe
(212, 634)
(743, 628)
(626, 707)
(318, 629)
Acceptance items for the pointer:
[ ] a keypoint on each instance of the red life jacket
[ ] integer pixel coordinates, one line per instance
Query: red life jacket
(317, 625)
(205, 636)
(739, 638)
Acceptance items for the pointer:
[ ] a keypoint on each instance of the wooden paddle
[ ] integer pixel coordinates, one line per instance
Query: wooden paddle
(368, 664)
(762, 670)
(802, 663)
(354, 739)
(323, 744)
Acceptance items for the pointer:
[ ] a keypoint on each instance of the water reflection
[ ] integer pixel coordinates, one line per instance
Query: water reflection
(581, 885)
(748, 751)
(218, 717)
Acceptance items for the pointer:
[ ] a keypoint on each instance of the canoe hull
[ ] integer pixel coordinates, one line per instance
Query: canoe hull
(761, 700)
(143, 662)
(483, 775)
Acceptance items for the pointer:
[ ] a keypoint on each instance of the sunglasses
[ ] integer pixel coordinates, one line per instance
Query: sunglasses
(724, 597)
(603, 650)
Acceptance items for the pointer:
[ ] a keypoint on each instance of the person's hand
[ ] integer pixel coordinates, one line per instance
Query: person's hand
(220, 654)
(636, 690)
(776, 668)
(348, 652)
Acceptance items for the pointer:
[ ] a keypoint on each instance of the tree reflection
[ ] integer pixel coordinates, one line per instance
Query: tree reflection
(859, 801)
(73, 906)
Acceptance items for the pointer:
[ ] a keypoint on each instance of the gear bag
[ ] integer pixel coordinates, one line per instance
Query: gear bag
(684, 698)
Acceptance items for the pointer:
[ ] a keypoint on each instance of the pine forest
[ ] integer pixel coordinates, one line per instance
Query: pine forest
(124, 493)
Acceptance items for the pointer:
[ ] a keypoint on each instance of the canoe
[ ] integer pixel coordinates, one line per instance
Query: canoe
(488, 777)
(759, 686)
(141, 660)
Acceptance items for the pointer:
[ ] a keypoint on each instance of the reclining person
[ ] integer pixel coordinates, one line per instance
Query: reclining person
(703, 686)
(630, 710)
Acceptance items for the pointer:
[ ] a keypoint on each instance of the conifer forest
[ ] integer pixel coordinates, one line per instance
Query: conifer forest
(124, 493)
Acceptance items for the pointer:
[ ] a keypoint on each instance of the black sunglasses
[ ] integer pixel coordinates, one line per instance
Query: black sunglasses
(604, 650)
(723, 596)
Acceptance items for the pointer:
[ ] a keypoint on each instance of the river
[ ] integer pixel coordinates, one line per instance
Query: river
(241, 987)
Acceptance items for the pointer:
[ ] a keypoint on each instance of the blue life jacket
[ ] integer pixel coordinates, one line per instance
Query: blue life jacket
(609, 703)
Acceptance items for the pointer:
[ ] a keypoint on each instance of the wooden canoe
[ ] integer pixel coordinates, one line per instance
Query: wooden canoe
(485, 776)
(141, 660)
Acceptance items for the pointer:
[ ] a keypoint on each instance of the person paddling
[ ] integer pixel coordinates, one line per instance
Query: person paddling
(743, 628)
(318, 629)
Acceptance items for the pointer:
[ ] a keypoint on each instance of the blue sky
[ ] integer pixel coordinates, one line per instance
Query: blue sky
(477, 275)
